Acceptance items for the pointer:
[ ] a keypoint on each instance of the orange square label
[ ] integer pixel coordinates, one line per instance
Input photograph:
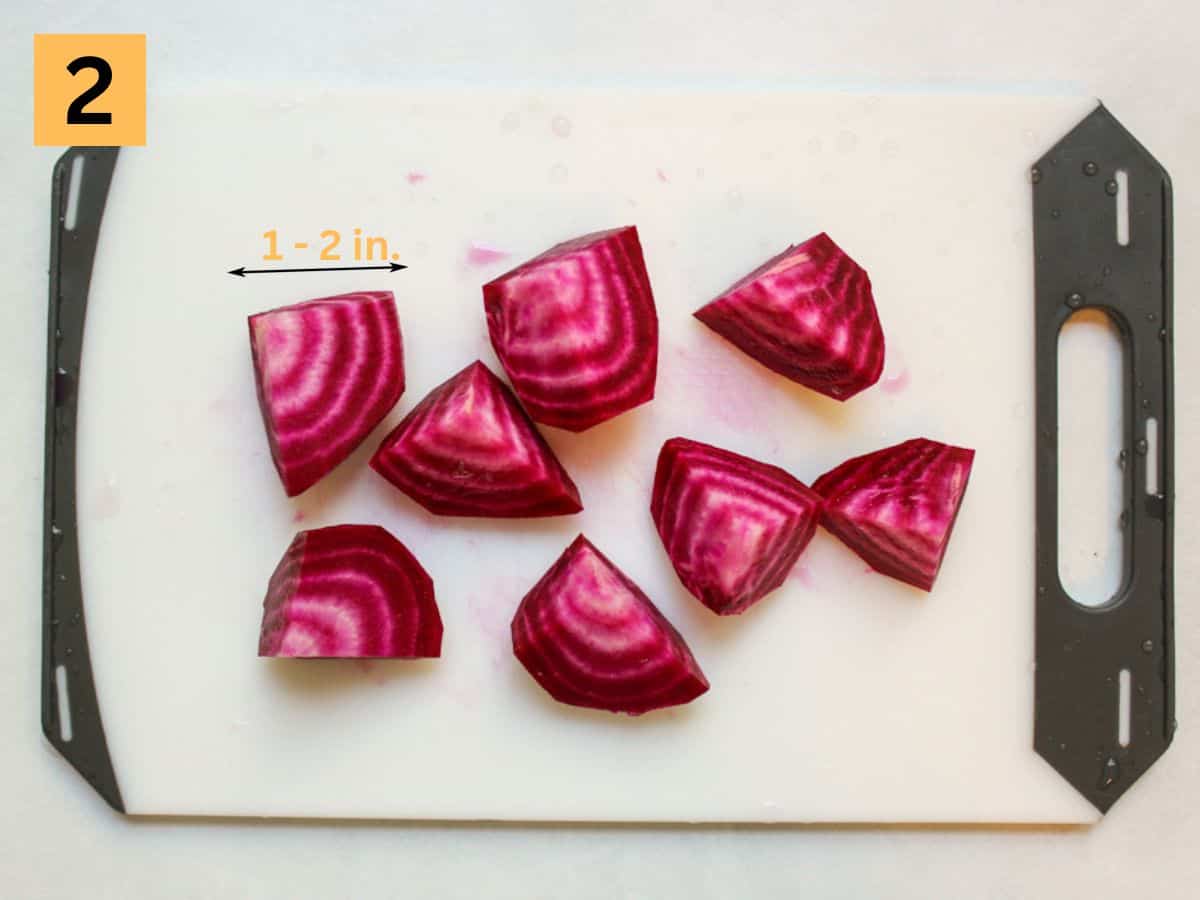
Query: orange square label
(89, 90)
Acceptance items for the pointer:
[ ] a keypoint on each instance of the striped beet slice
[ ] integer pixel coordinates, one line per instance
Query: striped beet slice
(468, 449)
(349, 591)
(896, 507)
(328, 371)
(733, 527)
(807, 314)
(590, 637)
(576, 330)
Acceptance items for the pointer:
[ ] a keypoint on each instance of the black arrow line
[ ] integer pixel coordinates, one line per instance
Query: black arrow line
(242, 271)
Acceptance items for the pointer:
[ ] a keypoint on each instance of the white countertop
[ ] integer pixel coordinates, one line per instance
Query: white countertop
(59, 840)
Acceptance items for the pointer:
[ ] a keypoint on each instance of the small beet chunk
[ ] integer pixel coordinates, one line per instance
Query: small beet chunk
(327, 371)
(468, 449)
(576, 329)
(350, 592)
(591, 638)
(896, 507)
(807, 314)
(732, 526)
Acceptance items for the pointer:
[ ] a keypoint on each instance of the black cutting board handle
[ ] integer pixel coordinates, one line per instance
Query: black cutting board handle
(75, 730)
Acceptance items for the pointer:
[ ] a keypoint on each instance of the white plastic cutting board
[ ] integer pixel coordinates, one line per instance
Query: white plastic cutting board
(845, 696)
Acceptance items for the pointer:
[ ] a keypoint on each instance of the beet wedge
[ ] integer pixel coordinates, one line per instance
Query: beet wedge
(576, 329)
(350, 592)
(896, 507)
(807, 314)
(590, 637)
(468, 449)
(328, 371)
(733, 527)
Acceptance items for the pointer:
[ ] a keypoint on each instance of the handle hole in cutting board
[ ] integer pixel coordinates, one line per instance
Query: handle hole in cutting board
(1091, 429)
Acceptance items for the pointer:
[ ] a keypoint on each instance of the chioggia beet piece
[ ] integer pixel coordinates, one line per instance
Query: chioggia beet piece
(807, 314)
(328, 371)
(732, 526)
(468, 449)
(576, 329)
(590, 637)
(896, 507)
(350, 592)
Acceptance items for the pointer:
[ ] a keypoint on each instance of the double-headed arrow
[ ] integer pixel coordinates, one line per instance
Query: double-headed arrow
(242, 271)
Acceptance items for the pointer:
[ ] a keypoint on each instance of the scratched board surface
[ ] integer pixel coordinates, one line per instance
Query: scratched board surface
(844, 696)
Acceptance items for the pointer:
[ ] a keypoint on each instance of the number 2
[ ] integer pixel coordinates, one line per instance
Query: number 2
(75, 112)
(334, 239)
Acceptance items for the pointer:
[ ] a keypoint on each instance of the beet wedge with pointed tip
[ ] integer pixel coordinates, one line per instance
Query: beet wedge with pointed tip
(327, 371)
(350, 592)
(468, 449)
(808, 314)
(576, 329)
(732, 526)
(590, 637)
(896, 507)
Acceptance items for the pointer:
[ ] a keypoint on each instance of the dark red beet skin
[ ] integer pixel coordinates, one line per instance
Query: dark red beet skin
(808, 314)
(591, 638)
(732, 526)
(350, 591)
(576, 329)
(327, 373)
(896, 507)
(468, 449)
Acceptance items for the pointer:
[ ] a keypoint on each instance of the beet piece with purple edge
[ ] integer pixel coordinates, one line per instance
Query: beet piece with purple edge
(808, 314)
(468, 449)
(590, 637)
(327, 372)
(350, 592)
(732, 526)
(576, 329)
(896, 507)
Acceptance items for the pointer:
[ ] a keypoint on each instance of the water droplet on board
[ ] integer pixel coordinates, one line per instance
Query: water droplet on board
(1122, 460)
(1107, 270)
(1035, 175)
(1090, 168)
(68, 651)
(1141, 447)
(1123, 519)
(561, 126)
(1074, 299)
(1110, 773)
(1110, 188)
(1147, 646)
(1150, 317)
(1055, 213)
(76, 618)
(1162, 334)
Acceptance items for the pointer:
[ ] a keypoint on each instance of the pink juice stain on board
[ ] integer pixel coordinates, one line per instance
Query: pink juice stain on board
(896, 383)
(481, 254)
(662, 176)
(415, 177)
(802, 574)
